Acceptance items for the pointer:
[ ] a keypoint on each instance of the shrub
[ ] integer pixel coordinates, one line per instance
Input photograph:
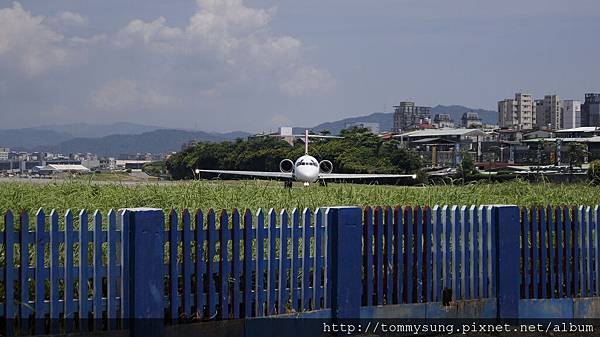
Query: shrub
(594, 172)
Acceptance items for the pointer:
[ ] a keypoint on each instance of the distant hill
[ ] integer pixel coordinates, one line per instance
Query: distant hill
(99, 130)
(386, 119)
(157, 141)
(22, 139)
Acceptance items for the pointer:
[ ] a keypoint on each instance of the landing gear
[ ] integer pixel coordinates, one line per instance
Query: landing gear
(287, 184)
(323, 182)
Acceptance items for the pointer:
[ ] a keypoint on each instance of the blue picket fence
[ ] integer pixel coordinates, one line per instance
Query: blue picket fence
(560, 252)
(412, 254)
(241, 264)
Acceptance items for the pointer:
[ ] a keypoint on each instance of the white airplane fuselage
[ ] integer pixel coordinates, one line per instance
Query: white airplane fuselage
(306, 169)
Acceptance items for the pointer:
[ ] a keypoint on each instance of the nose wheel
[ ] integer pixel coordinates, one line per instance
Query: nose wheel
(306, 184)
(287, 184)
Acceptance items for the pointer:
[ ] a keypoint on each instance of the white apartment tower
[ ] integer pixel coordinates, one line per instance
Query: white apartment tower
(571, 114)
(518, 113)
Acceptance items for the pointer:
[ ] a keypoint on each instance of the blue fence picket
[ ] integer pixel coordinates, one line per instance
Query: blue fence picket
(378, 256)
(525, 247)
(211, 301)
(535, 236)
(306, 260)
(418, 244)
(199, 264)
(596, 241)
(111, 270)
(318, 261)
(295, 260)
(446, 256)
(235, 263)
(464, 254)
(25, 306)
(485, 256)
(368, 256)
(224, 269)
(83, 270)
(428, 259)
(10, 273)
(456, 253)
(552, 263)
(570, 288)
(283, 259)
(98, 271)
(55, 309)
(248, 268)
(437, 277)
(40, 274)
(271, 280)
(475, 248)
(260, 264)
(409, 264)
(543, 253)
(576, 252)
(173, 275)
(125, 276)
(68, 272)
(398, 258)
(387, 256)
(560, 244)
(590, 252)
(186, 238)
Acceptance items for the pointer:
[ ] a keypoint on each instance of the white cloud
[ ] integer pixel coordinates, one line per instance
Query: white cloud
(67, 19)
(29, 44)
(127, 94)
(307, 79)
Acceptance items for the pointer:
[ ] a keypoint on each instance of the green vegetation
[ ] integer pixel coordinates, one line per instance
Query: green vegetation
(254, 194)
(358, 152)
(594, 172)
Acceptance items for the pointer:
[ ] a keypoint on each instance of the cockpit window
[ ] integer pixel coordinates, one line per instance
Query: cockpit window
(306, 163)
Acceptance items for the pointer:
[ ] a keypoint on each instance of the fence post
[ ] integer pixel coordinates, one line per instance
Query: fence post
(146, 272)
(507, 230)
(344, 249)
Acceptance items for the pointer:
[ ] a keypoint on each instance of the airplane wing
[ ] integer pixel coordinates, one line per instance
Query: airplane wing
(261, 174)
(363, 176)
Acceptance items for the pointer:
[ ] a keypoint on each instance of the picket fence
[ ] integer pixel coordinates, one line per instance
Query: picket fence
(178, 267)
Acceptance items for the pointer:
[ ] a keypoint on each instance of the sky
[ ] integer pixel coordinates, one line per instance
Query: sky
(255, 65)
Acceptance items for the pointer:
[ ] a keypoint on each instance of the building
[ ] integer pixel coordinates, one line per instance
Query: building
(548, 113)
(470, 120)
(407, 116)
(442, 121)
(571, 114)
(590, 110)
(4, 151)
(373, 127)
(517, 113)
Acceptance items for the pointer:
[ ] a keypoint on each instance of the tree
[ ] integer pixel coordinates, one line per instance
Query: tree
(467, 166)
(594, 172)
(576, 152)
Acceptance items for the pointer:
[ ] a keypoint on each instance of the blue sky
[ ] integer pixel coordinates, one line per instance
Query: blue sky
(222, 65)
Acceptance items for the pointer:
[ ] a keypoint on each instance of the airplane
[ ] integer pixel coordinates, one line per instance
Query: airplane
(306, 169)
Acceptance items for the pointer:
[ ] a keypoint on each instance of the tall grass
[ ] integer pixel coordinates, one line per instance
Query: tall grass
(255, 194)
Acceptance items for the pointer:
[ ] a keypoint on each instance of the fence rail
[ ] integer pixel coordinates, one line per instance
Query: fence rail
(89, 272)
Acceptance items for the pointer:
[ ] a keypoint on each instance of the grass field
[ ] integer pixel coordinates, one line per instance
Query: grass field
(254, 194)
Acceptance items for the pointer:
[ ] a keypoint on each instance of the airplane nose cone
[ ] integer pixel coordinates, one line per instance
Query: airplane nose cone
(307, 173)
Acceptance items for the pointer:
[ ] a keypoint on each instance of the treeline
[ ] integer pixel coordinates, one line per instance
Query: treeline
(359, 151)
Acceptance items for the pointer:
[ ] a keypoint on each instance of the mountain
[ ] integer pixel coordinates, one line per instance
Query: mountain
(22, 139)
(386, 119)
(99, 130)
(157, 141)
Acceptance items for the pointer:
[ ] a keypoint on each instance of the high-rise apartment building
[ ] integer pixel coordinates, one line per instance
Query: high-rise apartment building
(547, 111)
(518, 113)
(407, 115)
(590, 110)
(571, 114)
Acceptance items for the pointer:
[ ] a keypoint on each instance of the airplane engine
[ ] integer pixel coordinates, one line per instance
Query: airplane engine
(286, 166)
(325, 166)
